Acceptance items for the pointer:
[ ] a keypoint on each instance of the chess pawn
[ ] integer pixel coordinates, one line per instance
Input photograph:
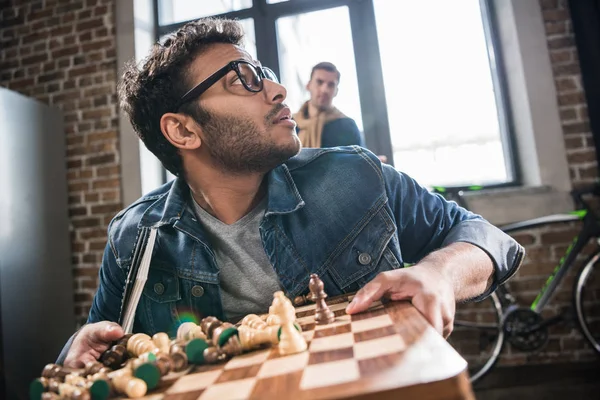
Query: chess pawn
(57, 371)
(189, 330)
(116, 354)
(222, 334)
(178, 357)
(123, 382)
(71, 392)
(139, 344)
(254, 321)
(290, 341)
(94, 367)
(161, 340)
(323, 315)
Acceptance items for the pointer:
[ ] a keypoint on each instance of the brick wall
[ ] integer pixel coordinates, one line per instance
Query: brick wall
(63, 53)
(546, 246)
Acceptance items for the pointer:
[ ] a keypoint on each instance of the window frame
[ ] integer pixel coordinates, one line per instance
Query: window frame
(368, 65)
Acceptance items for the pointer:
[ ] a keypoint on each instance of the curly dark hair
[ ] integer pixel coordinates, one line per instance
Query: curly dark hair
(146, 94)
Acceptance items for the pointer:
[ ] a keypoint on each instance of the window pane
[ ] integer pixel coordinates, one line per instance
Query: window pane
(306, 39)
(275, 1)
(172, 11)
(249, 37)
(439, 92)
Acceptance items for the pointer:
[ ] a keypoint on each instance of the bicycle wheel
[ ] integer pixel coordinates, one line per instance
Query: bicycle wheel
(587, 301)
(478, 335)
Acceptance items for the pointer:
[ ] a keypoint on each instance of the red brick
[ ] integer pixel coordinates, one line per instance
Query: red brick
(581, 127)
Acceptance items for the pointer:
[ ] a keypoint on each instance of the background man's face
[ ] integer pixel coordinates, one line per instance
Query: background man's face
(323, 87)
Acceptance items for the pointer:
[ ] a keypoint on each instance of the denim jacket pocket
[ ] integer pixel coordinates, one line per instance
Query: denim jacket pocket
(366, 254)
(161, 294)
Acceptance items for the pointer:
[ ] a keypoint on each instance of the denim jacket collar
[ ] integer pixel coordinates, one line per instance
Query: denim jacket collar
(283, 198)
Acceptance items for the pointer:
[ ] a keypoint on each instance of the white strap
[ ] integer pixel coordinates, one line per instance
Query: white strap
(139, 283)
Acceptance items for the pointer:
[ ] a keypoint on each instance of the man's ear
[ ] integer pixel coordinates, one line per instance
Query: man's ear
(181, 131)
(336, 90)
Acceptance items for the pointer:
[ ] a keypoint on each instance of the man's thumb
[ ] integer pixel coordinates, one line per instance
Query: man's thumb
(106, 332)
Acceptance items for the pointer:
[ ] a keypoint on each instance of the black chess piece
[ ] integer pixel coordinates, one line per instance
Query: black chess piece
(323, 315)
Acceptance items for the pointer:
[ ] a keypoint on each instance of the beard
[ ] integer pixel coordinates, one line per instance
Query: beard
(237, 144)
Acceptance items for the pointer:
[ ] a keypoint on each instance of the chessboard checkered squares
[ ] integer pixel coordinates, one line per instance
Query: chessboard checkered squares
(372, 323)
(341, 320)
(377, 347)
(235, 390)
(283, 365)
(194, 381)
(331, 373)
(332, 342)
(245, 360)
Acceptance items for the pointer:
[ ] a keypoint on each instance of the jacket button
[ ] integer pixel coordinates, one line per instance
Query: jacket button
(159, 288)
(364, 258)
(197, 291)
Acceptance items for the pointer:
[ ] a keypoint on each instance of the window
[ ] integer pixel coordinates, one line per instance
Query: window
(301, 45)
(422, 79)
(173, 11)
(445, 128)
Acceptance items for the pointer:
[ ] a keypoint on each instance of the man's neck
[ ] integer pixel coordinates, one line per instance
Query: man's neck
(314, 111)
(226, 197)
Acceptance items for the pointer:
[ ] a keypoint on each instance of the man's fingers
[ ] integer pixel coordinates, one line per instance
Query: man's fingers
(369, 293)
(430, 308)
(104, 332)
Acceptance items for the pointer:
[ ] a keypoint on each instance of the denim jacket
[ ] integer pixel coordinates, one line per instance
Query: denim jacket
(337, 212)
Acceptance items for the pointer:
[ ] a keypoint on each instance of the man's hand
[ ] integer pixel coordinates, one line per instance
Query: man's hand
(430, 292)
(91, 341)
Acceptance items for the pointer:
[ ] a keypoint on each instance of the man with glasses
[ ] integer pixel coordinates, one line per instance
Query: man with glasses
(250, 213)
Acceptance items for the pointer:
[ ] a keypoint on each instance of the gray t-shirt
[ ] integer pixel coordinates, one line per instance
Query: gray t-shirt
(246, 276)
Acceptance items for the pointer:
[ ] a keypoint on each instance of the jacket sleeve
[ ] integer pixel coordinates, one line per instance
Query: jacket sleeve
(426, 222)
(341, 132)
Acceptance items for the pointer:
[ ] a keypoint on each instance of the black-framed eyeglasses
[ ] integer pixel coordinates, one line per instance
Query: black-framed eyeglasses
(249, 74)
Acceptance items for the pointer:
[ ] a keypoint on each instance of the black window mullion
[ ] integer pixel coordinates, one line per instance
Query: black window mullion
(265, 33)
(505, 120)
(370, 79)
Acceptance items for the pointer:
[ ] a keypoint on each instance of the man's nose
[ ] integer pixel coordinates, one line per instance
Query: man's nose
(274, 92)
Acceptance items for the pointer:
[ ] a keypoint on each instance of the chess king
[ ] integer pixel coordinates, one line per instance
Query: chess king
(251, 213)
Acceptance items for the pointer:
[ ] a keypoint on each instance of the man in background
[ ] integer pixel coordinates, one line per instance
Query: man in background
(320, 124)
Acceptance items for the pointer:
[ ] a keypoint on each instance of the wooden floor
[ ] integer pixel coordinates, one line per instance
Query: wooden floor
(554, 381)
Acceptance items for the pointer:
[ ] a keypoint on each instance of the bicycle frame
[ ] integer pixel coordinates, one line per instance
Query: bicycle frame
(589, 230)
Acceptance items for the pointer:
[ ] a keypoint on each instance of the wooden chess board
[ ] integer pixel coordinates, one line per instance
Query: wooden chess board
(387, 351)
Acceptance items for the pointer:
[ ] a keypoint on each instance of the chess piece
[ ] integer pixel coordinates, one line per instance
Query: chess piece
(291, 340)
(124, 382)
(116, 354)
(273, 320)
(189, 330)
(254, 321)
(139, 344)
(301, 300)
(161, 340)
(222, 334)
(178, 357)
(251, 338)
(323, 315)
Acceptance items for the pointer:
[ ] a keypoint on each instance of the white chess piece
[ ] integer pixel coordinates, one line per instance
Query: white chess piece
(290, 341)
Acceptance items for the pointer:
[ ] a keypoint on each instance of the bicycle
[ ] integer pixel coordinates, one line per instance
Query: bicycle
(481, 331)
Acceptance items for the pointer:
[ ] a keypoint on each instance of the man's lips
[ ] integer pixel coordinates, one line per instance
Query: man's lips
(283, 115)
